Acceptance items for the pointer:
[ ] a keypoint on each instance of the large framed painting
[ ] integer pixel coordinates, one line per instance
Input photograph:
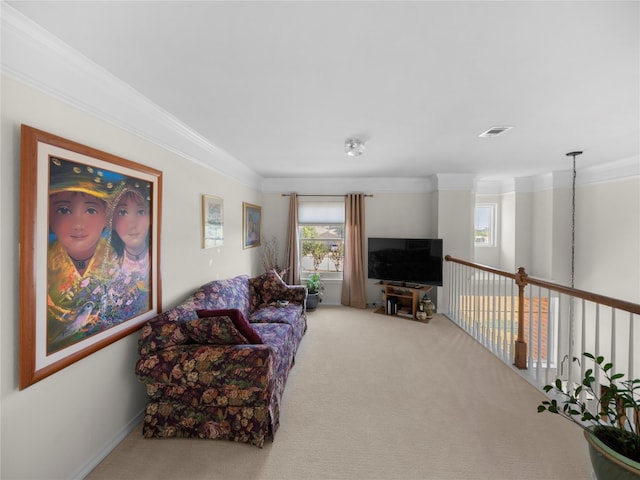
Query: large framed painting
(251, 225)
(212, 221)
(89, 251)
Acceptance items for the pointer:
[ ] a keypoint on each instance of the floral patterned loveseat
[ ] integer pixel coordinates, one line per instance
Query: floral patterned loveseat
(215, 366)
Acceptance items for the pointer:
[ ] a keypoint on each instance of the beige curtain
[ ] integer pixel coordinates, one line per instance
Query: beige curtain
(353, 283)
(291, 257)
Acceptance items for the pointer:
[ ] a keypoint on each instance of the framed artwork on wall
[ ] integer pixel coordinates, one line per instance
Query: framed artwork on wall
(212, 221)
(251, 225)
(89, 251)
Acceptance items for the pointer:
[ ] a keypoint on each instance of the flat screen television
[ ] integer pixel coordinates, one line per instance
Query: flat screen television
(407, 261)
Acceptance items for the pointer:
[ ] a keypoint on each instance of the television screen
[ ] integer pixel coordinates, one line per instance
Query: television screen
(406, 260)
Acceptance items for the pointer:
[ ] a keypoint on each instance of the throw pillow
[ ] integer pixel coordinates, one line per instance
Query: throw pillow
(214, 331)
(270, 287)
(239, 321)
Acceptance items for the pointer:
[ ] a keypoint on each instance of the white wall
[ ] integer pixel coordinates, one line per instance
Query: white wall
(541, 235)
(522, 249)
(507, 238)
(55, 428)
(388, 214)
(608, 239)
(455, 227)
(536, 230)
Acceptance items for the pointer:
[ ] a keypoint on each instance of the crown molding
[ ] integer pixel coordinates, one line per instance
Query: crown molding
(342, 185)
(34, 57)
(627, 168)
(456, 181)
(495, 187)
(619, 170)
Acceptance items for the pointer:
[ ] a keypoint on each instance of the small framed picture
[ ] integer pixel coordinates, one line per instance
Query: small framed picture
(251, 225)
(212, 221)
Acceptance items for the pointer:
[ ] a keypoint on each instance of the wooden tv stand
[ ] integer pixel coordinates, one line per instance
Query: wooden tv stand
(407, 297)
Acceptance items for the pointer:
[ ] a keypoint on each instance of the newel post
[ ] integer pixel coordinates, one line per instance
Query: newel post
(521, 345)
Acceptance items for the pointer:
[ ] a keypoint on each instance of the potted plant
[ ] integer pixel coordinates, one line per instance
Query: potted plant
(613, 433)
(315, 289)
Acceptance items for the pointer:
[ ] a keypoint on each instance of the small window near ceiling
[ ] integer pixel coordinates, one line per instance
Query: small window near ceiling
(485, 225)
(321, 237)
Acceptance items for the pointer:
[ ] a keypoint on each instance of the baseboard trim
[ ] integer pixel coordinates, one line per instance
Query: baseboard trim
(92, 463)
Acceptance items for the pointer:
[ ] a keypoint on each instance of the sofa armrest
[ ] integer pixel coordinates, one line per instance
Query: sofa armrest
(269, 287)
(163, 331)
(209, 374)
(294, 294)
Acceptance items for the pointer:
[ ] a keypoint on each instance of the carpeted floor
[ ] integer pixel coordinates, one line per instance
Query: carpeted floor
(376, 397)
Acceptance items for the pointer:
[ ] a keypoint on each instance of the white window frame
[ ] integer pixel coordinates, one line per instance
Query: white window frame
(492, 210)
(328, 213)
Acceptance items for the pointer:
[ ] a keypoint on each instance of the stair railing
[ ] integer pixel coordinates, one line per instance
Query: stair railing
(539, 326)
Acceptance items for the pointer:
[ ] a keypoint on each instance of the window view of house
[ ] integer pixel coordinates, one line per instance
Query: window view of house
(322, 248)
(321, 234)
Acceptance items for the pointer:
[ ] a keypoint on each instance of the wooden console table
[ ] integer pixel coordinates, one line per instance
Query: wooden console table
(407, 298)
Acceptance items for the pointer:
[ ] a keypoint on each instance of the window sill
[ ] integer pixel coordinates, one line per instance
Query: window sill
(325, 277)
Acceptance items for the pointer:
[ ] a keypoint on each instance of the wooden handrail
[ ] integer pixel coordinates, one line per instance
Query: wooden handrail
(521, 279)
(477, 266)
(592, 297)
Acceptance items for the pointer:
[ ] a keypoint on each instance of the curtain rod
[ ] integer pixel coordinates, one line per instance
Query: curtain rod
(321, 195)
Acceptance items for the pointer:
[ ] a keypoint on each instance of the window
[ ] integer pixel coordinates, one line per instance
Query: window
(321, 237)
(485, 222)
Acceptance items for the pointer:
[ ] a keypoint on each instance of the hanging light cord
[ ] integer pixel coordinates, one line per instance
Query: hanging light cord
(573, 218)
(573, 250)
(573, 225)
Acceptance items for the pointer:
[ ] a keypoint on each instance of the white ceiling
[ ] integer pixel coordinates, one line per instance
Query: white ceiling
(280, 85)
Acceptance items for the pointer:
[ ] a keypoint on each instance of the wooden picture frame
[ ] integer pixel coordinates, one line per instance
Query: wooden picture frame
(212, 221)
(89, 251)
(251, 225)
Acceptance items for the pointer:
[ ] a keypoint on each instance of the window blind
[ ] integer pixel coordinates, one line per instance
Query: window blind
(320, 213)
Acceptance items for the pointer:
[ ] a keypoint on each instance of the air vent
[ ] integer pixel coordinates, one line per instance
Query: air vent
(494, 131)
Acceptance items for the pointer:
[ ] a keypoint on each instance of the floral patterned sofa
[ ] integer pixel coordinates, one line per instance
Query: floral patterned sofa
(215, 366)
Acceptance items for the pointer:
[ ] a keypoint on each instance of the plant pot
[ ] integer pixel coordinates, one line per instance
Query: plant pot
(312, 301)
(608, 464)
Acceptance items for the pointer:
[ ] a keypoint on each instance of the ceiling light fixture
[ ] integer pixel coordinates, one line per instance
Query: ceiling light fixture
(354, 147)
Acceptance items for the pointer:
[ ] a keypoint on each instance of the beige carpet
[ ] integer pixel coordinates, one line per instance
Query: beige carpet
(377, 397)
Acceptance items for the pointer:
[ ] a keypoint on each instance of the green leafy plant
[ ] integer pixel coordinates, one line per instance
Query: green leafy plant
(314, 285)
(615, 400)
